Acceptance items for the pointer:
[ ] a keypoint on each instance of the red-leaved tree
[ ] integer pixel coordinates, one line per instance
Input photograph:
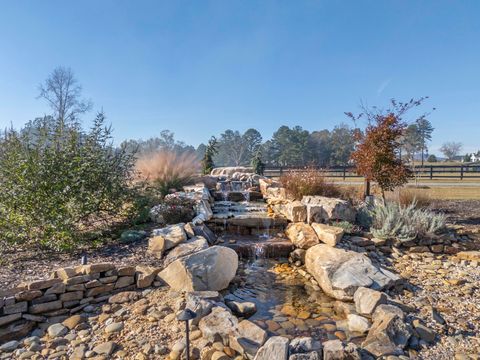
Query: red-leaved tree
(376, 154)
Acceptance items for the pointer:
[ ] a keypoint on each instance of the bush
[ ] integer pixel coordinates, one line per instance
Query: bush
(405, 223)
(167, 171)
(59, 182)
(174, 209)
(298, 184)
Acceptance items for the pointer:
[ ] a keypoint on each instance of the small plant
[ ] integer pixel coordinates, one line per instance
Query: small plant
(174, 209)
(391, 220)
(257, 164)
(298, 184)
(347, 227)
(210, 151)
(166, 170)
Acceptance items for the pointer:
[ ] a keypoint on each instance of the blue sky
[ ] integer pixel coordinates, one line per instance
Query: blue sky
(200, 67)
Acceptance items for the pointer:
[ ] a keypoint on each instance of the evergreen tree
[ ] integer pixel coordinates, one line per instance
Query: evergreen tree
(210, 151)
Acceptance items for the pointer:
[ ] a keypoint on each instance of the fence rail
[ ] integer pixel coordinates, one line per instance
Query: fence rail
(431, 172)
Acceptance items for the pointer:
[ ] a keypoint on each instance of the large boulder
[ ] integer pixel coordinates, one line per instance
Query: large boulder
(301, 235)
(340, 272)
(322, 209)
(294, 211)
(192, 246)
(166, 238)
(209, 269)
(330, 235)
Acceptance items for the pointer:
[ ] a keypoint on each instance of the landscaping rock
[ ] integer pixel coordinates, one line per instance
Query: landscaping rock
(203, 231)
(166, 238)
(275, 348)
(340, 272)
(388, 336)
(337, 350)
(244, 309)
(322, 209)
(194, 245)
(219, 322)
(248, 338)
(357, 323)
(209, 269)
(304, 345)
(330, 235)
(57, 330)
(301, 235)
(384, 310)
(366, 300)
(106, 348)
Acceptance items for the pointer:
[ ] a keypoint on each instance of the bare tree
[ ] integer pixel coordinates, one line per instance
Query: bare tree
(451, 149)
(63, 94)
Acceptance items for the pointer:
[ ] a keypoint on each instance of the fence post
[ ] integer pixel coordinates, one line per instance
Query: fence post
(461, 172)
(431, 172)
(344, 172)
(281, 171)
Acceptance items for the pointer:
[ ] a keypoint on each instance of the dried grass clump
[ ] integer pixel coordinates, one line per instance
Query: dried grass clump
(167, 171)
(406, 197)
(306, 182)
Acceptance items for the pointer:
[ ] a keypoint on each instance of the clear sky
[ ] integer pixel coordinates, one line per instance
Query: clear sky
(200, 67)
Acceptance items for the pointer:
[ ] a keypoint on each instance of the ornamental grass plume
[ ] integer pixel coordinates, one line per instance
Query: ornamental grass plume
(167, 171)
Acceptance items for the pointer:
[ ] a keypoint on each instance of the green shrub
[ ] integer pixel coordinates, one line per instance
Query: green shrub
(59, 182)
(405, 223)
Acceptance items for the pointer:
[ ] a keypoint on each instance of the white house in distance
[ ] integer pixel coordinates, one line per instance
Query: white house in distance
(475, 157)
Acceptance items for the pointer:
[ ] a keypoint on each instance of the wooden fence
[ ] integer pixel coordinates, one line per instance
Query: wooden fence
(431, 172)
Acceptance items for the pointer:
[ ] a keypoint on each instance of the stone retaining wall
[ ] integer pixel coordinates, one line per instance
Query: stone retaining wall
(66, 292)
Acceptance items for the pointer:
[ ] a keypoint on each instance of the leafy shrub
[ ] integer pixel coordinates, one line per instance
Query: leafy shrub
(308, 182)
(167, 171)
(405, 223)
(174, 209)
(59, 182)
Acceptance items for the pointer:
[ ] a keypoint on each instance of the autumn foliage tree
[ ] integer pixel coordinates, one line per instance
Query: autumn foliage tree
(376, 154)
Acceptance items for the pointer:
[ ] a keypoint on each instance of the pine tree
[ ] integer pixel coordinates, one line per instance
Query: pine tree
(210, 151)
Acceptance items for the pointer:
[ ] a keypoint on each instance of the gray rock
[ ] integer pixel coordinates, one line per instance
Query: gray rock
(130, 236)
(340, 272)
(304, 345)
(114, 327)
(9, 346)
(312, 355)
(337, 350)
(106, 348)
(57, 330)
(244, 309)
(275, 348)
